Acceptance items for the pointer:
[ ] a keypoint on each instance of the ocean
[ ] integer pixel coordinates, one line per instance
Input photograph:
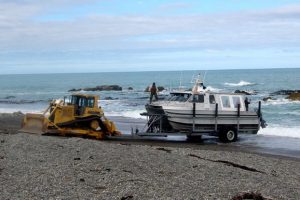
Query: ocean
(32, 93)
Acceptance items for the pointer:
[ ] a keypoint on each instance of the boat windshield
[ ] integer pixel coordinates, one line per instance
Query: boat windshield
(197, 98)
(181, 97)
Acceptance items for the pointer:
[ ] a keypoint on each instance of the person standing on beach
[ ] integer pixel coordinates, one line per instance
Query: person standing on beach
(153, 92)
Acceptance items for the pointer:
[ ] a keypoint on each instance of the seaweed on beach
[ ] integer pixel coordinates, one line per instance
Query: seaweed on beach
(250, 195)
(228, 163)
(164, 149)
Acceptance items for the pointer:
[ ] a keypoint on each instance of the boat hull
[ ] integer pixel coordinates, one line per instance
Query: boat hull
(186, 120)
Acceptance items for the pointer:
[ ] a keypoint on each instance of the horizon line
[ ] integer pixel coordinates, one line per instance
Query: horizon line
(151, 71)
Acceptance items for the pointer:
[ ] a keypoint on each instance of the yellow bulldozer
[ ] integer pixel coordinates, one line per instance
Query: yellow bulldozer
(79, 116)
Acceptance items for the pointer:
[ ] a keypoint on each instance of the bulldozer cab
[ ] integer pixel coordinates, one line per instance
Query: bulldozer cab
(85, 104)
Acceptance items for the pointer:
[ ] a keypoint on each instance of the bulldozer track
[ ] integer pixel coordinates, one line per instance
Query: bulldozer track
(83, 120)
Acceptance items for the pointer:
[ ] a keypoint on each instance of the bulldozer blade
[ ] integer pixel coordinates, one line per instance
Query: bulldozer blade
(33, 123)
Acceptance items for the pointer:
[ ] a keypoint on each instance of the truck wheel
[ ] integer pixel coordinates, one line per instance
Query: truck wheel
(228, 135)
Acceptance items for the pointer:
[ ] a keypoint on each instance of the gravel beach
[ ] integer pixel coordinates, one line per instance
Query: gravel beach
(52, 167)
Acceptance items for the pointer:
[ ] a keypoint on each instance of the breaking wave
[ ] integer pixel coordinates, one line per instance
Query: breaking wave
(280, 102)
(241, 83)
(210, 88)
(293, 132)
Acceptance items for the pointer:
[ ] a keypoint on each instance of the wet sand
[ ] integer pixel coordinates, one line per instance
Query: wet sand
(44, 167)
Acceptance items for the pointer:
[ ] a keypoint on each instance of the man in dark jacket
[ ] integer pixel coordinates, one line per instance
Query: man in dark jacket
(247, 102)
(153, 92)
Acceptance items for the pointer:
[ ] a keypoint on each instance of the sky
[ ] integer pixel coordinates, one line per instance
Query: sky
(63, 36)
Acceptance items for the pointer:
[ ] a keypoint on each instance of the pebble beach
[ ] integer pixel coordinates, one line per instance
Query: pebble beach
(53, 167)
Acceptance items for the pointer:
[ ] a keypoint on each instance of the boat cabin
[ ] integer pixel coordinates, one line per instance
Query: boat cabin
(226, 102)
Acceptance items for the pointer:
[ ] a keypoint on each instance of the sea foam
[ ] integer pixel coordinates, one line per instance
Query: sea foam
(210, 88)
(241, 83)
(293, 132)
(280, 102)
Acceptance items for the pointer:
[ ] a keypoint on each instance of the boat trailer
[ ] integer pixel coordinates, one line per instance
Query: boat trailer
(154, 127)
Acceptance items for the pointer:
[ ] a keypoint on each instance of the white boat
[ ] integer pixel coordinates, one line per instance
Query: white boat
(222, 114)
(202, 111)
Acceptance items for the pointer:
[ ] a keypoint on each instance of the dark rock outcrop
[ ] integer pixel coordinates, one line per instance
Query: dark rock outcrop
(130, 88)
(104, 88)
(100, 88)
(74, 90)
(10, 97)
(294, 96)
(242, 92)
(147, 89)
(268, 98)
(159, 88)
(285, 92)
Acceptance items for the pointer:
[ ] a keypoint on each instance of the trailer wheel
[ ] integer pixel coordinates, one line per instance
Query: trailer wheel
(228, 135)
